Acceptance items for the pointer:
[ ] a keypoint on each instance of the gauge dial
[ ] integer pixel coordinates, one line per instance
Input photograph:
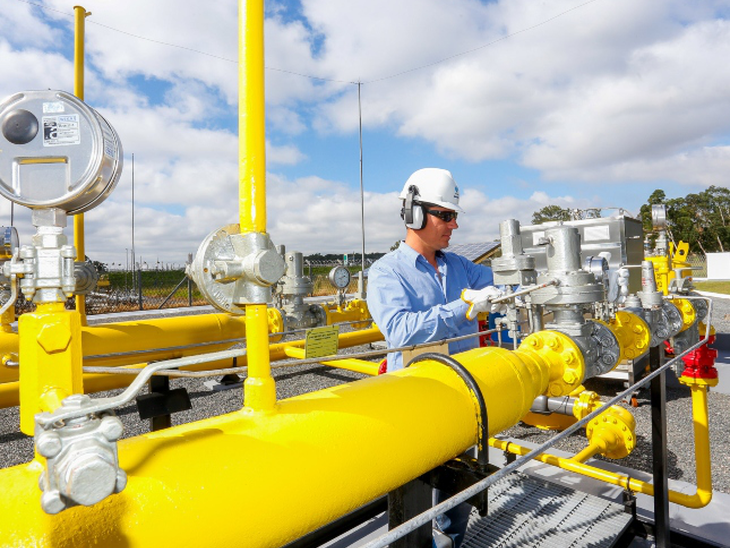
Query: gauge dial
(339, 276)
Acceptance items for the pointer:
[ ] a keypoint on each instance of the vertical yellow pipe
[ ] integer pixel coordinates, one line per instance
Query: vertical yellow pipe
(79, 31)
(251, 120)
(260, 392)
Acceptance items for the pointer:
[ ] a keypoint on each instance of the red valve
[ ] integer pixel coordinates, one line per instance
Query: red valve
(700, 363)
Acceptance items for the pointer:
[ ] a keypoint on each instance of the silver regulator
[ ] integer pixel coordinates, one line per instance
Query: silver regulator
(59, 157)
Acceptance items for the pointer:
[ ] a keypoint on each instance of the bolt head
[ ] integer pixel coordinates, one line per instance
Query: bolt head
(90, 478)
(52, 502)
(111, 428)
(48, 444)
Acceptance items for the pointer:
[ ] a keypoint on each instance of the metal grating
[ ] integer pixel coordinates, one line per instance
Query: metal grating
(529, 512)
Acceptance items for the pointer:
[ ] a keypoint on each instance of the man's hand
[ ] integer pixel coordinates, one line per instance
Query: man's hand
(480, 300)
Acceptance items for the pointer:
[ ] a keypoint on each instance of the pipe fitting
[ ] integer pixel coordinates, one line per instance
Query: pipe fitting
(82, 466)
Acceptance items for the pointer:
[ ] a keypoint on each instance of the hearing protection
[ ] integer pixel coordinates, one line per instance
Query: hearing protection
(412, 212)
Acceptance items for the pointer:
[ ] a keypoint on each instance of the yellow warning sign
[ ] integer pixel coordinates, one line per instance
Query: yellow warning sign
(321, 341)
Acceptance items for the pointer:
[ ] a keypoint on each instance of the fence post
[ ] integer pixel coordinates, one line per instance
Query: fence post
(139, 286)
(190, 291)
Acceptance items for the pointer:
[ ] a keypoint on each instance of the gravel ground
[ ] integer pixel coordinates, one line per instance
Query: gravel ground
(17, 448)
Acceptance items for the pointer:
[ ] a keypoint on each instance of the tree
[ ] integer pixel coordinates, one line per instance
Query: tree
(550, 213)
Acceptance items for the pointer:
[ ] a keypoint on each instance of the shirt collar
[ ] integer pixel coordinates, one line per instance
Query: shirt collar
(412, 255)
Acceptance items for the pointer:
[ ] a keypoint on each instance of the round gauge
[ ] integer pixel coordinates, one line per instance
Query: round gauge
(339, 276)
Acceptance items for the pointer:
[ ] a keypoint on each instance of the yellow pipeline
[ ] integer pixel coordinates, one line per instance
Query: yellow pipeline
(260, 393)
(80, 15)
(703, 493)
(351, 364)
(150, 334)
(238, 469)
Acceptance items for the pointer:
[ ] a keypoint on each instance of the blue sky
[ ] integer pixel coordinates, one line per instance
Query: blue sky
(570, 102)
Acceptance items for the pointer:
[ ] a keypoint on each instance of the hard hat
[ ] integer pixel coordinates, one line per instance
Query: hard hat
(432, 185)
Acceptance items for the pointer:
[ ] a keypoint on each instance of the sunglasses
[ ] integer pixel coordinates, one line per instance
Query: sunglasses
(445, 216)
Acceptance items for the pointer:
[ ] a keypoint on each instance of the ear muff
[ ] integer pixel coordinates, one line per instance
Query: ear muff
(412, 212)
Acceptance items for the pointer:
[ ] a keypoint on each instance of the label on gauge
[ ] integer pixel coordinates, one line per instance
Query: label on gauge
(61, 130)
(321, 341)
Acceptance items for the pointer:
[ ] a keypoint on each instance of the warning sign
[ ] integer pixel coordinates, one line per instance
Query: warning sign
(61, 130)
(321, 341)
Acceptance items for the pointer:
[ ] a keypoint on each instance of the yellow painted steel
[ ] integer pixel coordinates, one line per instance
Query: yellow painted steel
(689, 314)
(612, 433)
(104, 341)
(354, 310)
(248, 469)
(351, 364)
(50, 360)
(703, 492)
(260, 389)
(666, 266)
(567, 366)
(632, 333)
(251, 117)
(80, 15)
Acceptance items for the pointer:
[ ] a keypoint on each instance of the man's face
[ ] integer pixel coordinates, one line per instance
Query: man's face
(437, 232)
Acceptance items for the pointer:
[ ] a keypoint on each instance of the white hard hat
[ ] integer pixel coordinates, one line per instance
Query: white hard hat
(432, 185)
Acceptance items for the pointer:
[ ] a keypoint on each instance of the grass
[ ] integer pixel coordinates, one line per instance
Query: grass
(713, 286)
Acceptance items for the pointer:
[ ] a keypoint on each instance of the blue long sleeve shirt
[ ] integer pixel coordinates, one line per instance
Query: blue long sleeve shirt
(411, 303)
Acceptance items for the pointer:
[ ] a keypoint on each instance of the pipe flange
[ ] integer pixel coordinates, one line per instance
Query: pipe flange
(633, 334)
(614, 432)
(564, 356)
(609, 350)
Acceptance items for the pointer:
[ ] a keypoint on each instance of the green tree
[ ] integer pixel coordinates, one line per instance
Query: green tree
(550, 213)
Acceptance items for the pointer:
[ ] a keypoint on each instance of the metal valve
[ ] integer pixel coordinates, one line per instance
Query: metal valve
(82, 466)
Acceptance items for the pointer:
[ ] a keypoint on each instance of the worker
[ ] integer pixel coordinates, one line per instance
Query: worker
(419, 293)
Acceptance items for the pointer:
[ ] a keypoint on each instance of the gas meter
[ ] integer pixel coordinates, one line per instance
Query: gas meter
(56, 152)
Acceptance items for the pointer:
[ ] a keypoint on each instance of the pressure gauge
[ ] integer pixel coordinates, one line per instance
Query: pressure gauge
(339, 276)
(56, 152)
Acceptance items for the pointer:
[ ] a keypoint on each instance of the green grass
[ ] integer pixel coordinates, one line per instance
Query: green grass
(713, 286)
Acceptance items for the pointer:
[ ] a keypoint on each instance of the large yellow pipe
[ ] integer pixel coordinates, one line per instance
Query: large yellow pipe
(703, 493)
(134, 337)
(259, 472)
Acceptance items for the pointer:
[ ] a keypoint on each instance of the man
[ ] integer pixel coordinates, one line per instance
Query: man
(419, 293)
(415, 292)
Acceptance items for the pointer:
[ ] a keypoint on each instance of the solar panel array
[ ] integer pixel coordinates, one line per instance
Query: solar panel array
(473, 251)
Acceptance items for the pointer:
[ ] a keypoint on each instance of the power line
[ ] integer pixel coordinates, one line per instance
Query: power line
(322, 78)
(467, 52)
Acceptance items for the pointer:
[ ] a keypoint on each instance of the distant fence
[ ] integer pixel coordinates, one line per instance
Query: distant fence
(699, 265)
(128, 290)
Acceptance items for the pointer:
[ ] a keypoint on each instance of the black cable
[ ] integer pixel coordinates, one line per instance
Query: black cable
(473, 386)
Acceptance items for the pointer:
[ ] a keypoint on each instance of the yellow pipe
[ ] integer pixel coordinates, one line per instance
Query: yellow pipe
(50, 354)
(407, 422)
(260, 389)
(127, 334)
(703, 493)
(251, 117)
(351, 364)
(80, 15)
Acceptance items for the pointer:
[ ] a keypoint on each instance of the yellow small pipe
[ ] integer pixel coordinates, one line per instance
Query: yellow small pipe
(251, 117)
(80, 15)
(351, 364)
(260, 389)
(703, 493)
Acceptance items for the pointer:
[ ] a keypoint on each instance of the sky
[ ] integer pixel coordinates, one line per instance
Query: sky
(577, 103)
